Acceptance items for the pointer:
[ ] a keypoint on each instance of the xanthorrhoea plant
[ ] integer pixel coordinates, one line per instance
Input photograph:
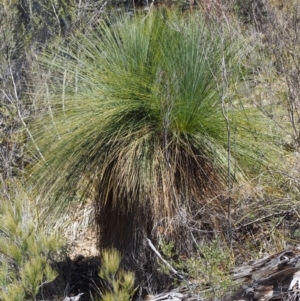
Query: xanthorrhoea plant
(137, 116)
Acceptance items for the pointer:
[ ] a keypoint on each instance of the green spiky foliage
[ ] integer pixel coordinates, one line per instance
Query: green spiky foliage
(120, 282)
(25, 249)
(134, 119)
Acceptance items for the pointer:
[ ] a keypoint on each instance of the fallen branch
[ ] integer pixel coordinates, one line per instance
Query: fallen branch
(176, 273)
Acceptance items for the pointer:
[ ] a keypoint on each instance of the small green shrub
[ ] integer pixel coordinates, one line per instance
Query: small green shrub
(208, 270)
(121, 282)
(25, 249)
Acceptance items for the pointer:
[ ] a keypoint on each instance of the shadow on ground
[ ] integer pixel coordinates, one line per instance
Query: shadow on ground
(75, 276)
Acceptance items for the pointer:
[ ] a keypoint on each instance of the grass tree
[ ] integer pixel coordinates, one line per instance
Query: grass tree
(137, 117)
